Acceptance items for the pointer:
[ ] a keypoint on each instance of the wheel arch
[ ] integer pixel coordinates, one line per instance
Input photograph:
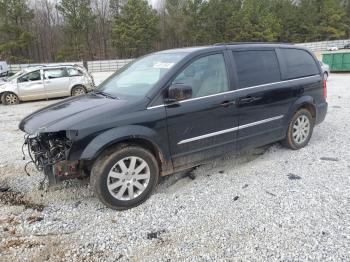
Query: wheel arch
(129, 135)
(310, 107)
(306, 102)
(76, 85)
(141, 142)
(12, 92)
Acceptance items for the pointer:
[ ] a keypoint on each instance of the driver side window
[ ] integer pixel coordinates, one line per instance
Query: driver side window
(206, 76)
(32, 76)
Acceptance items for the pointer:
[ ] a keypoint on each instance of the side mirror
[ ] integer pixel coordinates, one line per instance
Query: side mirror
(178, 92)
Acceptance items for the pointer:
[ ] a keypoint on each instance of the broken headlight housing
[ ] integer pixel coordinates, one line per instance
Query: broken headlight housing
(47, 149)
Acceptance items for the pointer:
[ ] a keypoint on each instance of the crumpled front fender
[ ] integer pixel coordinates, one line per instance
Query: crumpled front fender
(87, 150)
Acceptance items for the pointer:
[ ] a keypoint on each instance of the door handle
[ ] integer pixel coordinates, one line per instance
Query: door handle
(249, 99)
(227, 103)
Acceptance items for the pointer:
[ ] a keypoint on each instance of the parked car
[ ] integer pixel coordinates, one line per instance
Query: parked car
(173, 110)
(325, 69)
(347, 46)
(332, 48)
(3, 79)
(4, 69)
(43, 82)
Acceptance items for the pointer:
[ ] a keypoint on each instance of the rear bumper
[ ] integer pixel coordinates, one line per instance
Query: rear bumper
(89, 86)
(321, 112)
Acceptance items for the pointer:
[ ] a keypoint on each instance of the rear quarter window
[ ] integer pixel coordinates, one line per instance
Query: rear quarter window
(297, 63)
(74, 72)
(256, 67)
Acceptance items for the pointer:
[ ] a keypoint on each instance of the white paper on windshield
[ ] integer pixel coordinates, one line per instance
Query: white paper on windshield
(162, 65)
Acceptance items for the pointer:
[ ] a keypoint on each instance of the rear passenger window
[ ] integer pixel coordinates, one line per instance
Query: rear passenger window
(298, 63)
(256, 67)
(54, 73)
(74, 72)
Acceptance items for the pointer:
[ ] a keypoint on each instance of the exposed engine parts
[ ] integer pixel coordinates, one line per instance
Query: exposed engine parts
(49, 153)
(47, 149)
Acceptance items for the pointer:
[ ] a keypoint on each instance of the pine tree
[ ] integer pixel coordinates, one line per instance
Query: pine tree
(333, 24)
(135, 29)
(15, 17)
(79, 22)
(255, 22)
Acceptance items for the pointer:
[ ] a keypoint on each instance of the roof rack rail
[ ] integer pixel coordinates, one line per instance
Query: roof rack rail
(247, 43)
(52, 65)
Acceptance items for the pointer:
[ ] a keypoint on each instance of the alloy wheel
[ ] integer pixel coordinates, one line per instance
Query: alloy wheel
(78, 91)
(301, 129)
(128, 178)
(11, 99)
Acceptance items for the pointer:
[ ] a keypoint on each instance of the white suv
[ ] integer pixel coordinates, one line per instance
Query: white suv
(43, 82)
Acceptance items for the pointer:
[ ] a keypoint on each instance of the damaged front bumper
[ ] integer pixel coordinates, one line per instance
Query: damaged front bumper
(50, 153)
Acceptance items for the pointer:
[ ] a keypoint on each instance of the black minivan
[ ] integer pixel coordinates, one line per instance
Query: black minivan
(176, 109)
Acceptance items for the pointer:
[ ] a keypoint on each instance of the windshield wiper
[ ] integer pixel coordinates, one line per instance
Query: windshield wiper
(105, 94)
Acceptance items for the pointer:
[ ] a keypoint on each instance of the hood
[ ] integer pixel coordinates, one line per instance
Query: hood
(5, 84)
(69, 113)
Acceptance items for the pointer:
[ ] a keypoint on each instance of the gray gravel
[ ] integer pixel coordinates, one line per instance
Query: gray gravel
(273, 204)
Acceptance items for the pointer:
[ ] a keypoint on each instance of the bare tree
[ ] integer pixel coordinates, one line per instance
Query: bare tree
(46, 26)
(101, 8)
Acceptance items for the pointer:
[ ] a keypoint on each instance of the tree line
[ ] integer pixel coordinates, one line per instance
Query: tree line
(70, 30)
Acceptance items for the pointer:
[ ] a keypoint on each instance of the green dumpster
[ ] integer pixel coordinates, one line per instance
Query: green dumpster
(337, 61)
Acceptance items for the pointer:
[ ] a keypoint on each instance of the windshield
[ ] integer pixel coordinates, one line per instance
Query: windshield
(15, 75)
(139, 77)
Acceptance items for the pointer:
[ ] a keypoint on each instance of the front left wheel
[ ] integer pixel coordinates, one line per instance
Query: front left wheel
(125, 177)
(9, 98)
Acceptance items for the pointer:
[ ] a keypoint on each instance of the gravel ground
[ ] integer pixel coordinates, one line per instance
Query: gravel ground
(268, 204)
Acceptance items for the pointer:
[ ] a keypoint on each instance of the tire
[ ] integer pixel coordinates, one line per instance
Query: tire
(300, 130)
(325, 76)
(122, 190)
(9, 98)
(78, 90)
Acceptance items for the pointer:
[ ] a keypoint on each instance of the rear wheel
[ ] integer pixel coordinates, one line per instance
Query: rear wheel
(9, 98)
(78, 90)
(124, 178)
(299, 130)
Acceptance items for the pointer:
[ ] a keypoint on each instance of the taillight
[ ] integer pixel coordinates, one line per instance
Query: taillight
(325, 89)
